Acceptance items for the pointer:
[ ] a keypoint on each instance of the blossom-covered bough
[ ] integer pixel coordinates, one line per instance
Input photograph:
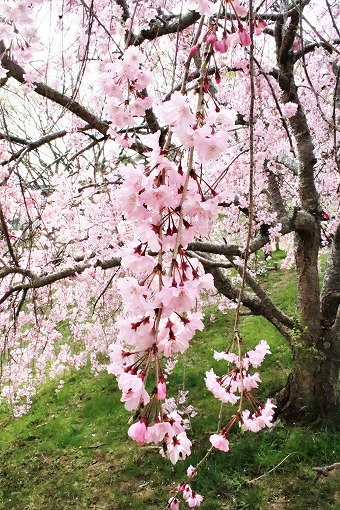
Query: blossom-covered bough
(149, 150)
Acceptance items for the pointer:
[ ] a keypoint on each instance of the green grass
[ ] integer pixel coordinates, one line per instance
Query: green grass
(71, 451)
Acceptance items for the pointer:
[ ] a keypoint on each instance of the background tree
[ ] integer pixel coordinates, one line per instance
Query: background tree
(83, 87)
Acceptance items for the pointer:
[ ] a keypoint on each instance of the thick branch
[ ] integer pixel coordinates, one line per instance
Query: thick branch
(289, 36)
(309, 48)
(45, 280)
(35, 145)
(176, 24)
(17, 72)
(217, 249)
(13, 139)
(294, 221)
(272, 313)
(125, 7)
(324, 470)
(275, 194)
(255, 305)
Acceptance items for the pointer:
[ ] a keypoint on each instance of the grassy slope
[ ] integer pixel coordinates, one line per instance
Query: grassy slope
(71, 451)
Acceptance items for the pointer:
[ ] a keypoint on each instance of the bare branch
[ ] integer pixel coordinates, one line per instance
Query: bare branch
(17, 72)
(29, 146)
(176, 24)
(251, 301)
(5, 232)
(309, 48)
(13, 139)
(45, 280)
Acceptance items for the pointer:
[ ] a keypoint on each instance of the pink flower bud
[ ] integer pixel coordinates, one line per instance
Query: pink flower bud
(221, 46)
(161, 389)
(244, 36)
(211, 38)
(194, 49)
(260, 24)
(205, 84)
(137, 431)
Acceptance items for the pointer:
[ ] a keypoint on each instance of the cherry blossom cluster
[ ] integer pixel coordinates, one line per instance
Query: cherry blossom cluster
(192, 499)
(190, 496)
(235, 387)
(168, 210)
(235, 30)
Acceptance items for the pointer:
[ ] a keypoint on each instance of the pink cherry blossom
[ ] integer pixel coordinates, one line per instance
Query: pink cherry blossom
(220, 442)
(186, 492)
(257, 356)
(156, 433)
(191, 472)
(133, 389)
(203, 6)
(137, 431)
(214, 384)
(173, 504)
(289, 109)
(178, 447)
(194, 500)
(259, 420)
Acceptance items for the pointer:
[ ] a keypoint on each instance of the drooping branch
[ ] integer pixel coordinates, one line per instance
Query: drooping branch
(271, 310)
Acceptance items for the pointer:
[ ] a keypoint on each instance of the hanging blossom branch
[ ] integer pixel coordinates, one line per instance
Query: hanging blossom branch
(166, 202)
(236, 385)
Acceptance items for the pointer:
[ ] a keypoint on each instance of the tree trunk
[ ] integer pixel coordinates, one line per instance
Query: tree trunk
(311, 394)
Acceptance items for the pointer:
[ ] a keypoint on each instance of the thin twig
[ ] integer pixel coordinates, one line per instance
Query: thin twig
(271, 470)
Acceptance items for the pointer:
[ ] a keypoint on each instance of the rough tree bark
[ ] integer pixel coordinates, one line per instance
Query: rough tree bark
(312, 387)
